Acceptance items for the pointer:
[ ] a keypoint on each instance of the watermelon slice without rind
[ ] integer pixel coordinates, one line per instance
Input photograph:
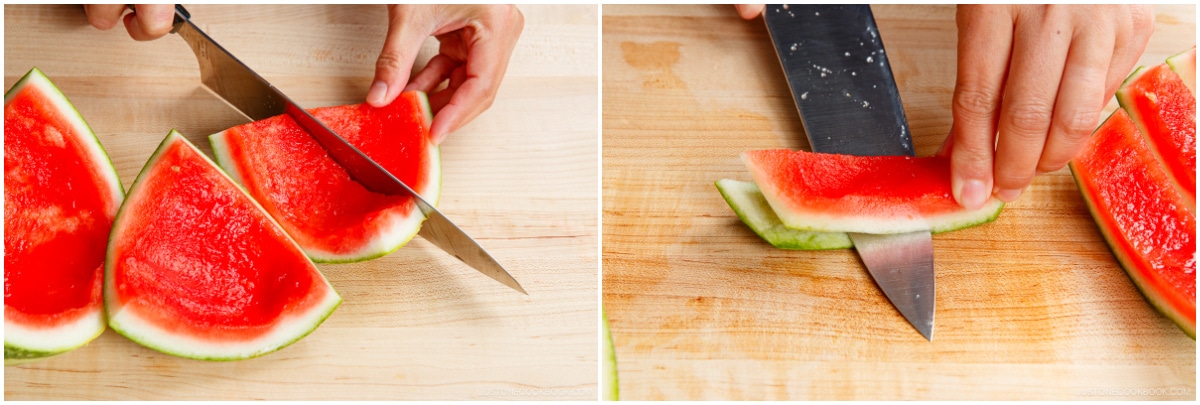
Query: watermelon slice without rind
(196, 268)
(1142, 216)
(1184, 65)
(1164, 110)
(334, 218)
(752, 208)
(61, 194)
(866, 194)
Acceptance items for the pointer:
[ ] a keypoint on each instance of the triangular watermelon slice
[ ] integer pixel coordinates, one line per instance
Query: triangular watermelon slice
(1142, 216)
(61, 194)
(1164, 110)
(332, 217)
(196, 268)
(867, 194)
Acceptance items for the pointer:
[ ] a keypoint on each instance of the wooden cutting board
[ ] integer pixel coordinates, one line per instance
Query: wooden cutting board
(417, 324)
(1031, 306)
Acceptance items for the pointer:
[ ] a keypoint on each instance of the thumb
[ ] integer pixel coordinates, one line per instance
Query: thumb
(406, 33)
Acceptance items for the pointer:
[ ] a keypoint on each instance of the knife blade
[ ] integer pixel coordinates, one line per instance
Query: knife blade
(256, 98)
(842, 85)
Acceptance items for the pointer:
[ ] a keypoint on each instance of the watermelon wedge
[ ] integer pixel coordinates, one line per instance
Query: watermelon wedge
(867, 194)
(752, 208)
(197, 269)
(1142, 216)
(331, 216)
(61, 194)
(1164, 110)
(1184, 65)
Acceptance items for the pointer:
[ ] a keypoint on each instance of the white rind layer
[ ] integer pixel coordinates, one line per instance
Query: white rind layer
(288, 330)
(57, 339)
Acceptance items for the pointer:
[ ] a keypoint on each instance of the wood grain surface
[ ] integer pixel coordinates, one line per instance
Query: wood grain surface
(1032, 306)
(522, 179)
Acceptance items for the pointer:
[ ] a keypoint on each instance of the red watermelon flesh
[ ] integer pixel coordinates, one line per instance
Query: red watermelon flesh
(334, 218)
(866, 194)
(1143, 217)
(197, 269)
(1164, 110)
(60, 197)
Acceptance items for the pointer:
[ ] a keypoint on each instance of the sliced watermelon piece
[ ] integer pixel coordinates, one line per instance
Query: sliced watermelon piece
(197, 269)
(1164, 110)
(61, 194)
(866, 194)
(748, 202)
(1142, 216)
(333, 217)
(1184, 65)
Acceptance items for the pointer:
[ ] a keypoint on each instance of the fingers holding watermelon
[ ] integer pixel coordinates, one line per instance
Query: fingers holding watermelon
(1032, 80)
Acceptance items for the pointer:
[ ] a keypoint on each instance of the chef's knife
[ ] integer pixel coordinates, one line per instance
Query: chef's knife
(842, 84)
(249, 93)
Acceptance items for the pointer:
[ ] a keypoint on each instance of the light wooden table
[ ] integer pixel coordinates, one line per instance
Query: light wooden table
(417, 324)
(1031, 306)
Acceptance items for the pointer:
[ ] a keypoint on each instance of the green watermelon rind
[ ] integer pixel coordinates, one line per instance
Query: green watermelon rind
(752, 208)
(748, 202)
(129, 328)
(1127, 263)
(22, 352)
(384, 244)
(1184, 65)
(610, 384)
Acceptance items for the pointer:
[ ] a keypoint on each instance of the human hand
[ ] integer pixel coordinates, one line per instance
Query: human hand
(476, 43)
(1032, 81)
(749, 11)
(147, 22)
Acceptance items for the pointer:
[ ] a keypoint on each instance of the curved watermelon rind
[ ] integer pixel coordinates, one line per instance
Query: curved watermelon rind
(128, 326)
(752, 208)
(397, 235)
(1161, 304)
(21, 344)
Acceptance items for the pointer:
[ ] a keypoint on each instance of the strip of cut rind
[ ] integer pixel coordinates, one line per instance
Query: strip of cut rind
(155, 321)
(748, 203)
(865, 194)
(1142, 217)
(66, 331)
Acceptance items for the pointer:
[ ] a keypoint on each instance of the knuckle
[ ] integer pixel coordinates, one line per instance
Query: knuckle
(1075, 127)
(389, 61)
(1011, 178)
(975, 104)
(1028, 119)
